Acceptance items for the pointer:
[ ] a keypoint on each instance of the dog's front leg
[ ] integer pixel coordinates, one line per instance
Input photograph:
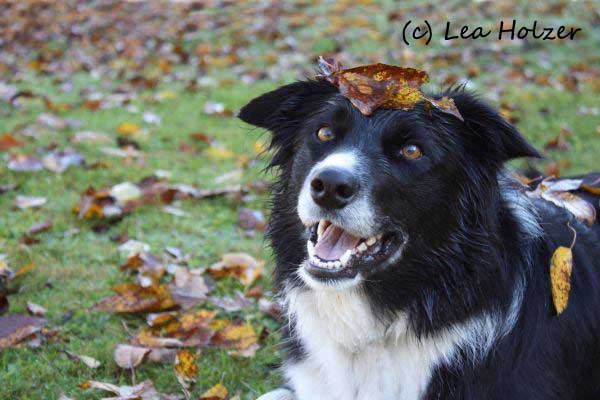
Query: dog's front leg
(278, 394)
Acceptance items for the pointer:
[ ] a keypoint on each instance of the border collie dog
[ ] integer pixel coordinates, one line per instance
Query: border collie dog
(411, 266)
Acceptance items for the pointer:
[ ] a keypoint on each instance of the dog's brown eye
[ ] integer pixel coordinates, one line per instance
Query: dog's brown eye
(411, 151)
(325, 134)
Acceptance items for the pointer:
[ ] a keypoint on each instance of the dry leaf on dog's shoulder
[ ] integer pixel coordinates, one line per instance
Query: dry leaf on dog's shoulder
(185, 368)
(239, 265)
(217, 392)
(129, 357)
(561, 267)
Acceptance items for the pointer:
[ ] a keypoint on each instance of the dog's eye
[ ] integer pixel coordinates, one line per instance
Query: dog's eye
(411, 151)
(325, 133)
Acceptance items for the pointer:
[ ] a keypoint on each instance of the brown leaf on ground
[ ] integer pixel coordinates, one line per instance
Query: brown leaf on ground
(39, 228)
(240, 338)
(271, 308)
(8, 141)
(123, 198)
(145, 264)
(242, 266)
(36, 310)
(190, 329)
(251, 220)
(142, 391)
(217, 392)
(15, 329)
(133, 298)
(129, 357)
(88, 361)
(24, 202)
(188, 288)
(232, 304)
(185, 368)
(24, 163)
(60, 161)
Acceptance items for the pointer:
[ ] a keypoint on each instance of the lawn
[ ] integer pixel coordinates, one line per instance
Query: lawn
(548, 90)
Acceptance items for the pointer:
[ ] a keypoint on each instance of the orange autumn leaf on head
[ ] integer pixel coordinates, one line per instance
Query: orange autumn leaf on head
(374, 86)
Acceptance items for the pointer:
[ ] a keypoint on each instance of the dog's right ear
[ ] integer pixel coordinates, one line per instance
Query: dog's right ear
(279, 108)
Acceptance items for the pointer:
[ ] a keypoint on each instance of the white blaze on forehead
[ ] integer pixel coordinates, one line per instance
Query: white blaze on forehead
(348, 160)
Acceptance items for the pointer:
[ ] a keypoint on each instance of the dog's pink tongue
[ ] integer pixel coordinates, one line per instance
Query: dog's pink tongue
(334, 242)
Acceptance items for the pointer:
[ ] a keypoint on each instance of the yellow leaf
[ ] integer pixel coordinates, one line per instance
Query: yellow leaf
(185, 367)
(561, 266)
(128, 128)
(217, 392)
(218, 153)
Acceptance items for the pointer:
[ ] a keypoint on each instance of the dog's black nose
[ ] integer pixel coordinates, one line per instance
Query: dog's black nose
(333, 188)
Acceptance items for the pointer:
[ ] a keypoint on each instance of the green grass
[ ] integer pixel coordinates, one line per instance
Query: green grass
(75, 271)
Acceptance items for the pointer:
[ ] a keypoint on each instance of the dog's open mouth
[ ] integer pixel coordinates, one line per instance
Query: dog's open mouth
(336, 253)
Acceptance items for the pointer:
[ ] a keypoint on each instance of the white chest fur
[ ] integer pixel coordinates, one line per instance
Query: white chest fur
(353, 356)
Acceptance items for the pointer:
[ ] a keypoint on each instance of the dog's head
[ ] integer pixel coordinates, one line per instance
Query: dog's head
(357, 194)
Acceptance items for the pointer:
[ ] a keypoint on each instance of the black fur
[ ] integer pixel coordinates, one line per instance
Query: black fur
(468, 248)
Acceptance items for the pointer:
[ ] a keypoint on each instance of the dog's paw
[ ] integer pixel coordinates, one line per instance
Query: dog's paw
(278, 394)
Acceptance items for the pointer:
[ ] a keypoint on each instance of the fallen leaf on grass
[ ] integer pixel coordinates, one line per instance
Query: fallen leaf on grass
(158, 319)
(217, 392)
(15, 329)
(240, 338)
(39, 227)
(24, 163)
(88, 361)
(271, 308)
(133, 298)
(232, 304)
(129, 357)
(188, 288)
(242, 266)
(60, 161)
(251, 220)
(145, 264)
(185, 368)
(24, 202)
(190, 329)
(143, 391)
(128, 128)
(123, 198)
(91, 137)
(216, 108)
(8, 141)
(36, 309)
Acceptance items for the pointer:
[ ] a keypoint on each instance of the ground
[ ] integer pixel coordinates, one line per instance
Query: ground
(545, 88)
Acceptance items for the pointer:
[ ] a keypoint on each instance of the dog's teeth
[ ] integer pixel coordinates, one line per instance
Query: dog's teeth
(320, 228)
(336, 264)
(371, 241)
(311, 249)
(362, 247)
(346, 257)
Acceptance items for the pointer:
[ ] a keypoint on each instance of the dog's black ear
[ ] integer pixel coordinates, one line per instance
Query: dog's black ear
(494, 133)
(276, 109)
